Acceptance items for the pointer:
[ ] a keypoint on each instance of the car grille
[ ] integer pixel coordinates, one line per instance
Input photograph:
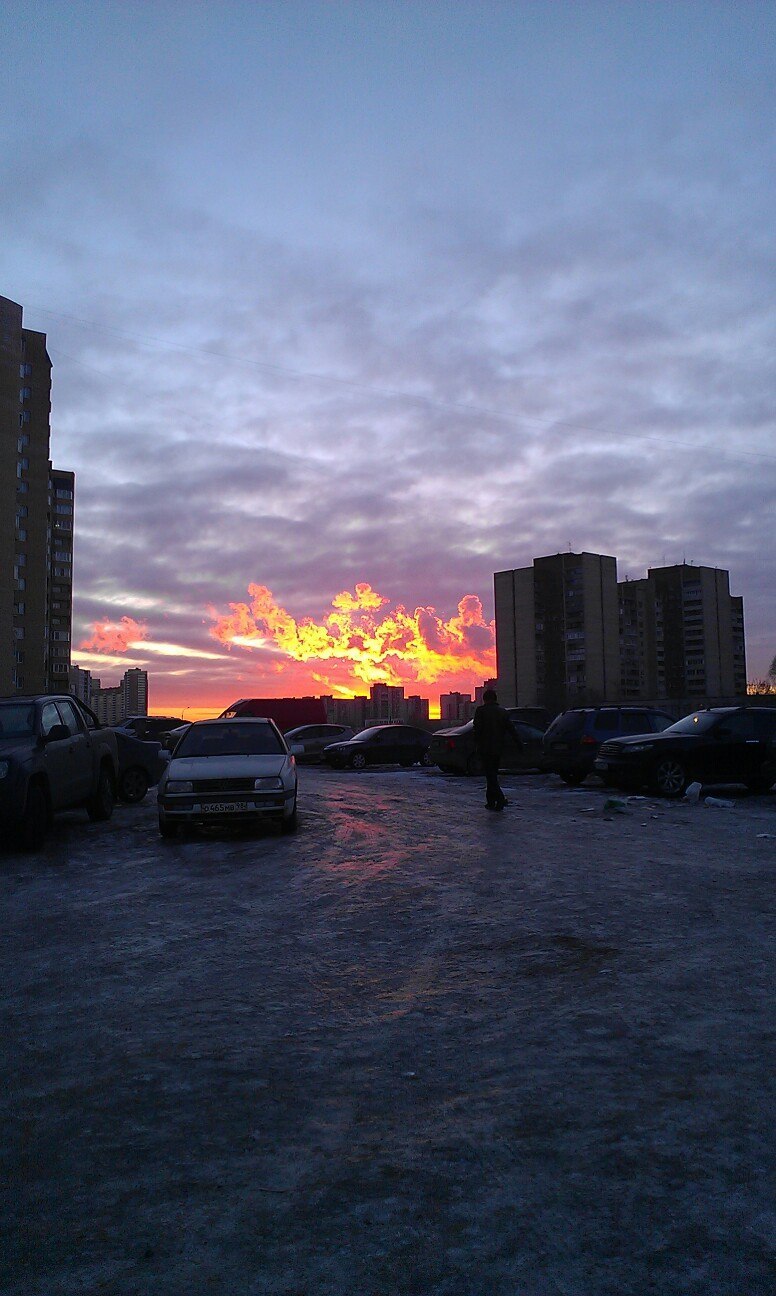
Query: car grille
(224, 785)
(609, 749)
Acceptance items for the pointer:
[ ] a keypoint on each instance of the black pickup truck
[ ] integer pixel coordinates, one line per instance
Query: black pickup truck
(53, 756)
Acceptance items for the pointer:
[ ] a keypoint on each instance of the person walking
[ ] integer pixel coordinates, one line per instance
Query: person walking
(490, 727)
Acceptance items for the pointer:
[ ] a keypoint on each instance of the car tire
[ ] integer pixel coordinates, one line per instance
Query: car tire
(759, 786)
(425, 759)
(37, 815)
(573, 778)
(670, 777)
(133, 785)
(358, 761)
(291, 823)
(100, 806)
(474, 765)
(167, 830)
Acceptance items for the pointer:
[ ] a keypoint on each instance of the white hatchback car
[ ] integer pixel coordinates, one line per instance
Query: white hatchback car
(237, 771)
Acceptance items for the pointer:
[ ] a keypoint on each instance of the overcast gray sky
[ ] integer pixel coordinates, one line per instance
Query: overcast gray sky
(392, 293)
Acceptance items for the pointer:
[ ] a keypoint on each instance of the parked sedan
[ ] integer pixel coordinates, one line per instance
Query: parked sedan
(237, 771)
(307, 742)
(721, 745)
(453, 750)
(381, 745)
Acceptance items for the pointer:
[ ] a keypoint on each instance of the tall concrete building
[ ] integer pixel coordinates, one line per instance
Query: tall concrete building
(697, 650)
(557, 632)
(135, 691)
(36, 540)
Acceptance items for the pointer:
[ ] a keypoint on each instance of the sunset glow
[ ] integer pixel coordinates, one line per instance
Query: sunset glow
(362, 641)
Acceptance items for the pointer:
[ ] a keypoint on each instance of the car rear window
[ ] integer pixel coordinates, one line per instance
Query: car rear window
(636, 722)
(606, 722)
(230, 740)
(566, 726)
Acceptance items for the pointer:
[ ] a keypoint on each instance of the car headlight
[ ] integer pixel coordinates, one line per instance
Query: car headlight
(640, 747)
(267, 784)
(178, 785)
(4, 768)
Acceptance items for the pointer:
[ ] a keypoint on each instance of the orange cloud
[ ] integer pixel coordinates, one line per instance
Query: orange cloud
(115, 636)
(361, 641)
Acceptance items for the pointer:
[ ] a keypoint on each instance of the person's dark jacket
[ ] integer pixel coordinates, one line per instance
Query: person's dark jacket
(490, 728)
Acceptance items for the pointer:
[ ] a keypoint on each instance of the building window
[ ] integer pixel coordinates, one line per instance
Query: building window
(25, 393)
(18, 581)
(25, 370)
(20, 559)
(18, 632)
(21, 534)
(61, 571)
(24, 417)
(21, 488)
(62, 493)
(63, 508)
(62, 555)
(61, 634)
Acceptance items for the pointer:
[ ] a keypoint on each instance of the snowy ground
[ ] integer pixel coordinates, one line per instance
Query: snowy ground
(418, 1048)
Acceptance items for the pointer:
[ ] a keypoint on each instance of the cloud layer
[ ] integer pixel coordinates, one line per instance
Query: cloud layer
(311, 339)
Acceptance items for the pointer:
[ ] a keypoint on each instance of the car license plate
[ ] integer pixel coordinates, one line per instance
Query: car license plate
(226, 807)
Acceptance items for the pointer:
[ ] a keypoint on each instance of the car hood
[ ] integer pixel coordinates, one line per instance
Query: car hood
(633, 740)
(224, 767)
(18, 747)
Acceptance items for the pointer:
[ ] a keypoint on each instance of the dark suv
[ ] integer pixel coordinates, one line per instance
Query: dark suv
(571, 743)
(721, 745)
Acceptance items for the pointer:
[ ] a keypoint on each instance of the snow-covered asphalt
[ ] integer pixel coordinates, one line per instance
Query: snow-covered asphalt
(417, 1048)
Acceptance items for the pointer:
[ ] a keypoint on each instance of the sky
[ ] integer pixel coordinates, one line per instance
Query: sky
(352, 305)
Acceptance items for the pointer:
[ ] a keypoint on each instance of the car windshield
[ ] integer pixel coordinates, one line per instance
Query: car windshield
(367, 735)
(698, 722)
(17, 719)
(230, 740)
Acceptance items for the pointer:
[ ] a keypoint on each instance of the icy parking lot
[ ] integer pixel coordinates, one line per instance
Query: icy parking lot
(417, 1048)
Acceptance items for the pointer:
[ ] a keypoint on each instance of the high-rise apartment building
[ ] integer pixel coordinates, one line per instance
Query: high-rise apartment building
(36, 541)
(557, 632)
(567, 634)
(697, 648)
(135, 691)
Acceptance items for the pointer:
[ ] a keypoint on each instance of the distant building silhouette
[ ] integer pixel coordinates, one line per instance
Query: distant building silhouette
(557, 631)
(456, 708)
(568, 634)
(36, 519)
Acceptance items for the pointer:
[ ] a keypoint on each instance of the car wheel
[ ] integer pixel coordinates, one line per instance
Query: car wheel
(133, 785)
(358, 761)
(670, 777)
(166, 829)
(100, 807)
(474, 765)
(425, 759)
(291, 823)
(34, 825)
(573, 778)
(759, 785)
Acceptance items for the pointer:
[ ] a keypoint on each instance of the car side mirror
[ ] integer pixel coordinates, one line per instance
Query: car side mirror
(57, 733)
